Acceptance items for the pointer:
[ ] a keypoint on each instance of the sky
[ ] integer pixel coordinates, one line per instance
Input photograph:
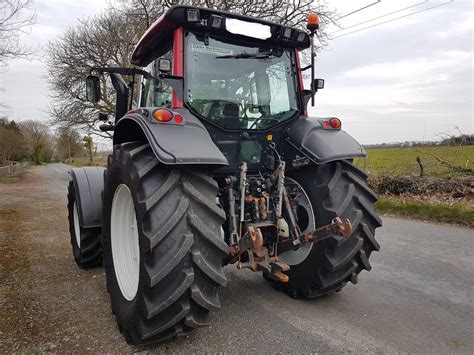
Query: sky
(410, 78)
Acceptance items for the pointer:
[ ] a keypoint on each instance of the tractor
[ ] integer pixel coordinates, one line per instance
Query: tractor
(216, 162)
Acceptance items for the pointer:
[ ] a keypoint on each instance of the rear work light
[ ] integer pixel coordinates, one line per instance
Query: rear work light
(286, 32)
(215, 21)
(300, 36)
(192, 15)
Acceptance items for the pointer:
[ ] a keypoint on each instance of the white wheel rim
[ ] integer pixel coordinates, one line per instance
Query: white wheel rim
(124, 240)
(295, 257)
(77, 227)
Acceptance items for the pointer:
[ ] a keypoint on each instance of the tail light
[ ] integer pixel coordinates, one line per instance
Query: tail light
(335, 122)
(166, 116)
(331, 123)
(162, 115)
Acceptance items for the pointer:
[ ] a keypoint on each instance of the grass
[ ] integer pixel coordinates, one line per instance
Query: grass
(100, 160)
(457, 213)
(397, 162)
(402, 161)
(14, 177)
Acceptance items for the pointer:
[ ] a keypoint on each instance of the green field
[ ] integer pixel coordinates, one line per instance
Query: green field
(402, 161)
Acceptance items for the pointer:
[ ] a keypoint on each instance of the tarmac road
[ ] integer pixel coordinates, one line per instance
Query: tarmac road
(418, 297)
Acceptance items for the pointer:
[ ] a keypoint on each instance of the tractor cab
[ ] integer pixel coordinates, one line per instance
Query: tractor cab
(240, 76)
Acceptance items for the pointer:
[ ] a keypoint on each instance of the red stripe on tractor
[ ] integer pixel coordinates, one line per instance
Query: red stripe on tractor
(177, 62)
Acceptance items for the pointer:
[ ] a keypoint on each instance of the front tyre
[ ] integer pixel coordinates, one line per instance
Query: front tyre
(333, 189)
(162, 243)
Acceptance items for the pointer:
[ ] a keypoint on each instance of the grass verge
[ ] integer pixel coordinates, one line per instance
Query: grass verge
(80, 162)
(14, 177)
(457, 213)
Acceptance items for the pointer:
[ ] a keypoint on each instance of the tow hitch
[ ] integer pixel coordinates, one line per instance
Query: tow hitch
(268, 221)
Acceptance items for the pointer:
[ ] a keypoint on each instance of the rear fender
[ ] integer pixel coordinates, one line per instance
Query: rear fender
(173, 144)
(307, 136)
(88, 185)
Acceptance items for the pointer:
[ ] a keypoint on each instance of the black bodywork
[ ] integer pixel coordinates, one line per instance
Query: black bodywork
(89, 184)
(198, 143)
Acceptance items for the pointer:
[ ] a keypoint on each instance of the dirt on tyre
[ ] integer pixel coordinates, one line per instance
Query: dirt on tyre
(85, 242)
(175, 260)
(333, 189)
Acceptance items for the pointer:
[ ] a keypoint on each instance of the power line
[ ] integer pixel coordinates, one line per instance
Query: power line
(26, 108)
(397, 18)
(362, 8)
(379, 17)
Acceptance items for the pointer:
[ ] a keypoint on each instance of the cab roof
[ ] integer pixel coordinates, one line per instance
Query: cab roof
(158, 38)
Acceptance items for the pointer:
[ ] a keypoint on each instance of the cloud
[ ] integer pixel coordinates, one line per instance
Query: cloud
(409, 79)
(26, 92)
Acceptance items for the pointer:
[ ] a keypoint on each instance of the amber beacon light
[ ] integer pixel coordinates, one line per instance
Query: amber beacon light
(313, 22)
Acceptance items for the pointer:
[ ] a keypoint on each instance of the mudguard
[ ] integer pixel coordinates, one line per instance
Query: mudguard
(173, 144)
(89, 184)
(322, 145)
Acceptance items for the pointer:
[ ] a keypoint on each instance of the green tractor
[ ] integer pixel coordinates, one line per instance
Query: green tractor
(218, 163)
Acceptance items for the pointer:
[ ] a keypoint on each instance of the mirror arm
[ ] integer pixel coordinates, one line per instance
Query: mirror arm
(122, 71)
(313, 91)
(306, 68)
(122, 95)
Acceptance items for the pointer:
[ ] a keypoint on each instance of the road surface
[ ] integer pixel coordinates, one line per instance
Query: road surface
(418, 297)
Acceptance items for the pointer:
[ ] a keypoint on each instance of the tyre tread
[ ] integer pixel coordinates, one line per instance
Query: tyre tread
(183, 255)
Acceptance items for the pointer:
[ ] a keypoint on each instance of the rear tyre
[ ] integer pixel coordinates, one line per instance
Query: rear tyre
(334, 189)
(85, 242)
(171, 285)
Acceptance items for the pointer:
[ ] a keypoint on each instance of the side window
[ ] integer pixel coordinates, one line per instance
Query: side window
(156, 93)
(280, 100)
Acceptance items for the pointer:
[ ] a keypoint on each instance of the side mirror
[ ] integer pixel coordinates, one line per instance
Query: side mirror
(93, 88)
(318, 84)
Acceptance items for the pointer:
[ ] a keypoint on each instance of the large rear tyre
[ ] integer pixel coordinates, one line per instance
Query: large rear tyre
(333, 189)
(163, 249)
(85, 242)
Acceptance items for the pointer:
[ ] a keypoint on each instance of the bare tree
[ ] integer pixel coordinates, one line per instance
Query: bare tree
(109, 39)
(89, 145)
(39, 140)
(12, 142)
(68, 143)
(97, 41)
(14, 21)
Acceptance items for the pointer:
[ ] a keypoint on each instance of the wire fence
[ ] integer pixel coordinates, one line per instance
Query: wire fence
(11, 168)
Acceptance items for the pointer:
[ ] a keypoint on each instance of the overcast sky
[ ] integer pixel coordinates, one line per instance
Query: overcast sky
(408, 79)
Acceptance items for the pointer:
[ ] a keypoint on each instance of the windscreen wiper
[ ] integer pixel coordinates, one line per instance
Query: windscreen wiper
(259, 55)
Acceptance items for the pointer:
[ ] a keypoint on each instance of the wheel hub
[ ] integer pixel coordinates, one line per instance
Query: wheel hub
(306, 223)
(124, 242)
(77, 228)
